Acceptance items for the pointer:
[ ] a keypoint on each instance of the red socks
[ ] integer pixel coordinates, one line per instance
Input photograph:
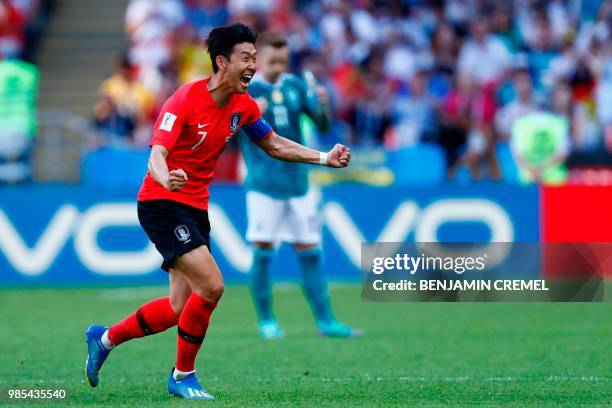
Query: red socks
(153, 317)
(157, 316)
(192, 326)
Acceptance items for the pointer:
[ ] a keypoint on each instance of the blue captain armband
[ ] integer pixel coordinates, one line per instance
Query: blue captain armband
(258, 130)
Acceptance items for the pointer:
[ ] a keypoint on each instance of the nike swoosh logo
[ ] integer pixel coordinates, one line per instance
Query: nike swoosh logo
(202, 126)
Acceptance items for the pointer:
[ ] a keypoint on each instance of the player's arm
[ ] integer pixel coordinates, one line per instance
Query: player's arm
(285, 149)
(166, 131)
(278, 147)
(172, 180)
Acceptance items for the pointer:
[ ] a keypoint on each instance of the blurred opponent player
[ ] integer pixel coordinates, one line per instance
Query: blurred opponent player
(279, 201)
(192, 130)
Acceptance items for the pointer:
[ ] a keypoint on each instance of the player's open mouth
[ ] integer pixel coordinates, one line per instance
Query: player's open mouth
(246, 79)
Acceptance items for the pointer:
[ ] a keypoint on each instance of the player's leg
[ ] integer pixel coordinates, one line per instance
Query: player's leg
(206, 282)
(150, 318)
(160, 219)
(153, 317)
(264, 216)
(179, 291)
(303, 229)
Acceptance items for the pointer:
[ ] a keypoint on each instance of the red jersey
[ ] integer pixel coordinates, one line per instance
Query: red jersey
(195, 130)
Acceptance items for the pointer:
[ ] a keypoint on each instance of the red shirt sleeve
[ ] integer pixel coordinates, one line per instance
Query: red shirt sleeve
(252, 112)
(255, 125)
(169, 124)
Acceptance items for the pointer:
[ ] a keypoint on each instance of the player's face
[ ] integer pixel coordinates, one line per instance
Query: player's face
(274, 62)
(241, 66)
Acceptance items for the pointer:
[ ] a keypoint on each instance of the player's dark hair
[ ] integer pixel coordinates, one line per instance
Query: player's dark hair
(275, 40)
(221, 41)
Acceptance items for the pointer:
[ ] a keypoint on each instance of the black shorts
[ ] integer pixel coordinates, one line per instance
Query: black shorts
(174, 228)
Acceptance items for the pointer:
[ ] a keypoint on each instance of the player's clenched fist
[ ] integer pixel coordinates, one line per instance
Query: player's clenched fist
(176, 180)
(339, 156)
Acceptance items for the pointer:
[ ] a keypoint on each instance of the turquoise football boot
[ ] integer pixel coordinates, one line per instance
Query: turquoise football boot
(269, 330)
(334, 328)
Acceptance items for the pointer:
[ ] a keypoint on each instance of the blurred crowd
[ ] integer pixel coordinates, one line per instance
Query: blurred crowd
(458, 74)
(21, 25)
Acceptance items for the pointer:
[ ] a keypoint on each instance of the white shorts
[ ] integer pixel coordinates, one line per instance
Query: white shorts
(295, 220)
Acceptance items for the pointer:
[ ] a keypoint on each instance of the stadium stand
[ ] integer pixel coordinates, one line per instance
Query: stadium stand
(75, 54)
(401, 73)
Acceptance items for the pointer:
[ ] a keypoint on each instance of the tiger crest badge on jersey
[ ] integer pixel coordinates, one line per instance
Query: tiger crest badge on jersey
(235, 121)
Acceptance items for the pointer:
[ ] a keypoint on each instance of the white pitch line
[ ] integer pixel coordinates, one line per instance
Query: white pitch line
(443, 379)
(552, 378)
(573, 378)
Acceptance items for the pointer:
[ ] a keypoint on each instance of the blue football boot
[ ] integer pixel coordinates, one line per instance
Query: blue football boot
(188, 387)
(96, 353)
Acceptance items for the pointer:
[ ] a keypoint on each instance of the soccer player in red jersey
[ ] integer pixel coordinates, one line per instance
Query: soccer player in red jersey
(192, 130)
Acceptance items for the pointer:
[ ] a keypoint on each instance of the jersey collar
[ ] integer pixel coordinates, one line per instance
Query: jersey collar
(208, 97)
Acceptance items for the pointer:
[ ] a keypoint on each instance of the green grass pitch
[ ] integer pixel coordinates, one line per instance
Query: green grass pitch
(426, 354)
